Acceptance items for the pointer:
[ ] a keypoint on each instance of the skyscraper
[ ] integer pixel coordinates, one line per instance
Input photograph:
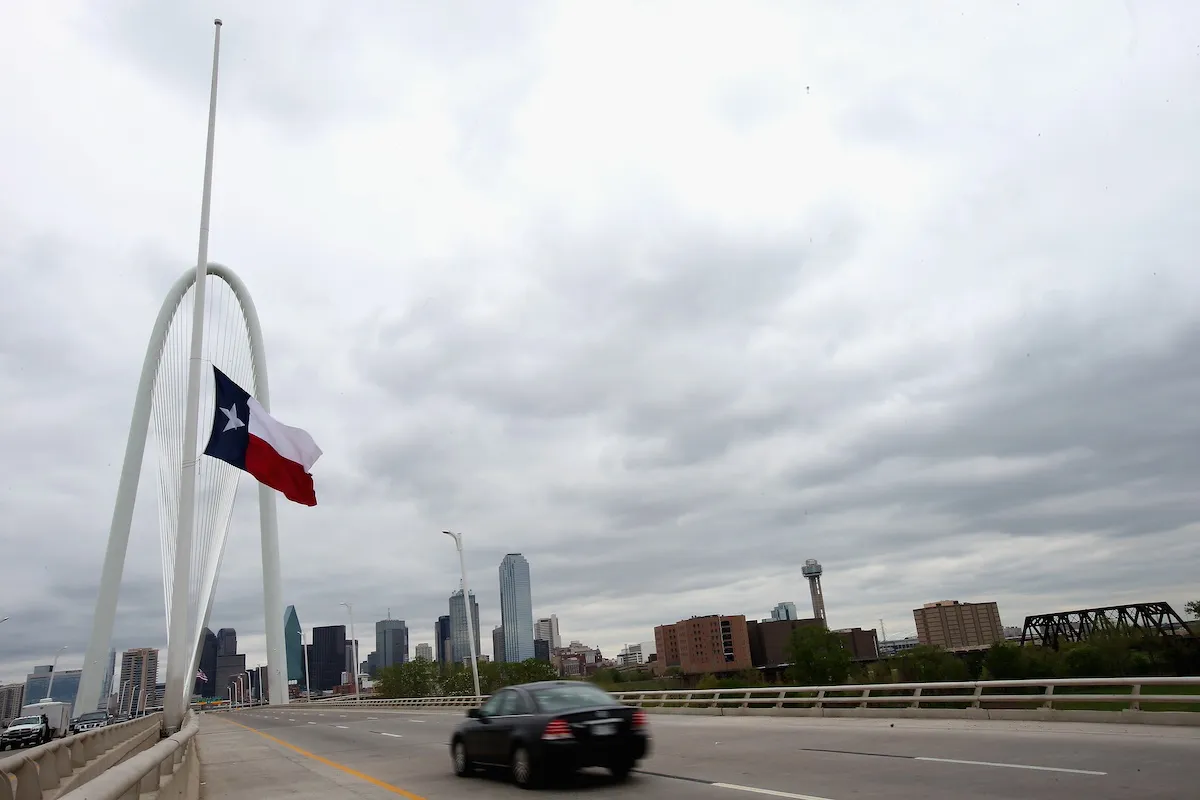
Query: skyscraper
(460, 645)
(139, 679)
(292, 645)
(327, 659)
(498, 643)
(391, 642)
(547, 628)
(207, 663)
(783, 611)
(443, 639)
(516, 608)
(424, 651)
(227, 642)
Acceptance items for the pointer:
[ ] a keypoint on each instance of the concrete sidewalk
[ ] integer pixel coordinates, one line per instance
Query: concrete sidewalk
(239, 764)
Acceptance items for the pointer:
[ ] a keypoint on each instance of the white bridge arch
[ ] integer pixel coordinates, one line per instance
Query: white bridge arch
(96, 659)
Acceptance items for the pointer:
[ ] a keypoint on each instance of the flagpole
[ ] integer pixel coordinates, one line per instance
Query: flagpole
(179, 655)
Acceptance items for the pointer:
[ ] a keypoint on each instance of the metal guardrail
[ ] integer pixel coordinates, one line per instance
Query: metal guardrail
(1020, 699)
(55, 768)
(971, 694)
(170, 770)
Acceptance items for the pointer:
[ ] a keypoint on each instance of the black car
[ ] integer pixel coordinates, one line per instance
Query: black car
(543, 731)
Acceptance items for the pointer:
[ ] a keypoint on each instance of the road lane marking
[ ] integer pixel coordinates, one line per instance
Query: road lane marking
(771, 792)
(1008, 766)
(394, 735)
(291, 720)
(954, 761)
(341, 767)
(312, 723)
(343, 727)
(416, 720)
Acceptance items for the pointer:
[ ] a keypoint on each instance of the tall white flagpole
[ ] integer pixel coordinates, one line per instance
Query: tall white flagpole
(179, 644)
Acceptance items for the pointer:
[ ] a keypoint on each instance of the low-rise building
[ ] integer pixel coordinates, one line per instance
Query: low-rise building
(953, 625)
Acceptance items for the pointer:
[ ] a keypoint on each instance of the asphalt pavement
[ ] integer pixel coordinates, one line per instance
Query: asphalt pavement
(271, 752)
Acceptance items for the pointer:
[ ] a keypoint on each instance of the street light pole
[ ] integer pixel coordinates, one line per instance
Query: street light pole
(354, 652)
(462, 563)
(54, 666)
(307, 683)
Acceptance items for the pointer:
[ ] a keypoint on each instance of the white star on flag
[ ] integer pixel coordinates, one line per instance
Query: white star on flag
(234, 423)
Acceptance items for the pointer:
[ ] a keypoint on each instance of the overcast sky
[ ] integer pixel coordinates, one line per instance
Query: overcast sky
(668, 297)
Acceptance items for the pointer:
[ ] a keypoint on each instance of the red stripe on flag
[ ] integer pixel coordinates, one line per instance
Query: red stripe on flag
(285, 476)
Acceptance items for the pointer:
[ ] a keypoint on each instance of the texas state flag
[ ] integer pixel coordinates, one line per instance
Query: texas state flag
(246, 436)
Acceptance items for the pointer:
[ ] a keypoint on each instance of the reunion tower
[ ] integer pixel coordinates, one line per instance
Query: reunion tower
(812, 571)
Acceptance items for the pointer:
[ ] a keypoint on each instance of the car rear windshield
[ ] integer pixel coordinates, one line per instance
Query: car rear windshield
(26, 721)
(91, 715)
(572, 696)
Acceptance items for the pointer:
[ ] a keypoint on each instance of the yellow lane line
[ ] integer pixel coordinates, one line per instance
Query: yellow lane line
(342, 767)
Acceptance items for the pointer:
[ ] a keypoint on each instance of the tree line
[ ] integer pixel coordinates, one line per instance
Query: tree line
(423, 678)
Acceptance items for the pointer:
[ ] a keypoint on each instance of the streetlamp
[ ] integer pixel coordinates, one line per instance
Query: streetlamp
(462, 563)
(307, 682)
(354, 652)
(53, 666)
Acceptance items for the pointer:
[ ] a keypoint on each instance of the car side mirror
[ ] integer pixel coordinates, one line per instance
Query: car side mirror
(474, 713)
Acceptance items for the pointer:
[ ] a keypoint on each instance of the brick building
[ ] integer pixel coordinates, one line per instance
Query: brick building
(953, 625)
(704, 645)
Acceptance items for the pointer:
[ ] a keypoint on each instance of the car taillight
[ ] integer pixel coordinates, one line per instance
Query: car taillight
(639, 719)
(557, 729)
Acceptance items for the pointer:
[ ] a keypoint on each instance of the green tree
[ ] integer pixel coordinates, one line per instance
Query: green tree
(925, 664)
(1005, 661)
(457, 682)
(818, 657)
(1192, 608)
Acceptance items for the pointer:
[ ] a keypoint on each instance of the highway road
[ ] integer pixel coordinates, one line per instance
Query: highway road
(731, 757)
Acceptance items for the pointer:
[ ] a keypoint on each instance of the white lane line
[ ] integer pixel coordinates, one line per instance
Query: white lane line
(343, 716)
(416, 720)
(343, 727)
(312, 723)
(291, 720)
(372, 717)
(394, 735)
(1009, 766)
(771, 792)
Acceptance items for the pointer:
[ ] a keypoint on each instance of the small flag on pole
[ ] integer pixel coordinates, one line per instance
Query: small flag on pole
(246, 436)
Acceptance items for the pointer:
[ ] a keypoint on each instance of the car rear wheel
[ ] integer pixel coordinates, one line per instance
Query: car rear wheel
(524, 771)
(458, 755)
(621, 769)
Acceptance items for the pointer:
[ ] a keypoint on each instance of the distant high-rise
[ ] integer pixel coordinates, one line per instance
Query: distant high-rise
(424, 651)
(498, 643)
(784, 611)
(352, 653)
(327, 658)
(106, 683)
(391, 642)
(292, 645)
(547, 628)
(516, 608)
(207, 663)
(139, 679)
(227, 642)
(65, 689)
(12, 697)
(443, 640)
(460, 646)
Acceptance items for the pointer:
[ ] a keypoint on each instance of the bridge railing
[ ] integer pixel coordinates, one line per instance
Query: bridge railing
(170, 770)
(1156, 700)
(57, 767)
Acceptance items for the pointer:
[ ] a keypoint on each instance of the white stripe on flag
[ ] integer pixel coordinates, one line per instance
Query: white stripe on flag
(293, 444)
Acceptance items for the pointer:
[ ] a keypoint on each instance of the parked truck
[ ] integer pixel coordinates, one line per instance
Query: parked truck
(58, 716)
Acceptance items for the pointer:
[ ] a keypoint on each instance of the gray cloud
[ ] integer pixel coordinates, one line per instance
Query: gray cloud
(666, 310)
